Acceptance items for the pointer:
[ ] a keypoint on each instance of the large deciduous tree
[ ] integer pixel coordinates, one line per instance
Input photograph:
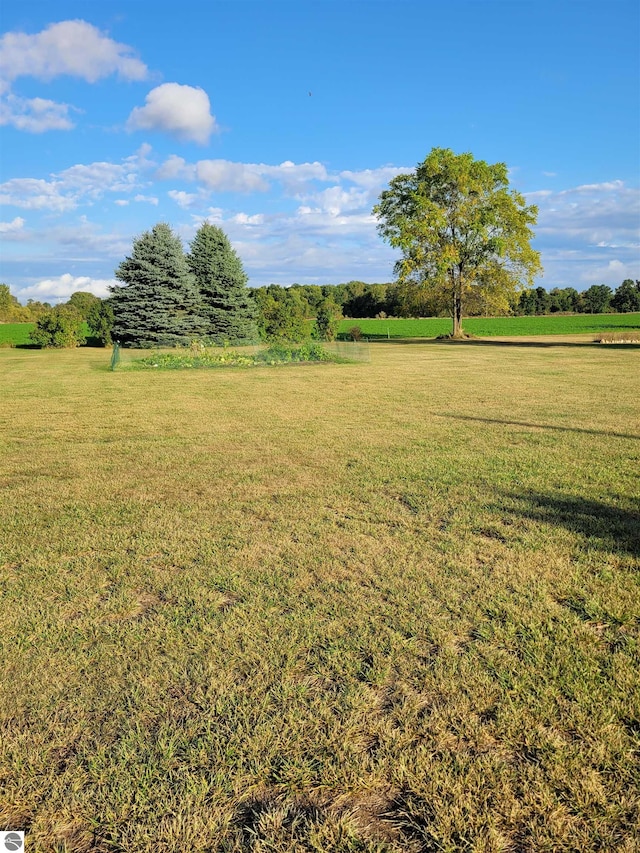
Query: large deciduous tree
(626, 297)
(158, 304)
(227, 305)
(459, 228)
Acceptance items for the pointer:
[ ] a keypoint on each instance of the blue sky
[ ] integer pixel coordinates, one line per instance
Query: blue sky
(283, 121)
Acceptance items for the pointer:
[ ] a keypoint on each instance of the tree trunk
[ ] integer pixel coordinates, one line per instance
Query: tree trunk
(457, 314)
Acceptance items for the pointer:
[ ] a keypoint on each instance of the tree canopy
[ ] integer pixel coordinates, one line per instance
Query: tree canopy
(159, 303)
(460, 229)
(226, 303)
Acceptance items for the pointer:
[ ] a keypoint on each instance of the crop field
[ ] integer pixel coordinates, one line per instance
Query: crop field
(383, 607)
(551, 324)
(15, 334)
(430, 327)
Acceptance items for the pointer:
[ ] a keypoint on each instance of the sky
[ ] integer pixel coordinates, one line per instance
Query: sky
(282, 122)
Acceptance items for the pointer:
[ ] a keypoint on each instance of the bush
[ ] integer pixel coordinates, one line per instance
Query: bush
(100, 321)
(59, 328)
(355, 333)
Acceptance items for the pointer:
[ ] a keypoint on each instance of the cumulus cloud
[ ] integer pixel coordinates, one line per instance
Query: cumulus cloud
(94, 179)
(35, 194)
(226, 176)
(16, 224)
(588, 234)
(374, 179)
(592, 213)
(34, 115)
(176, 167)
(74, 48)
(68, 188)
(61, 287)
(183, 199)
(182, 111)
(149, 199)
(247, 219)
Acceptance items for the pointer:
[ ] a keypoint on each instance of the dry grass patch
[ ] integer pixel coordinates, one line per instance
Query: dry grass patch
(369, 607)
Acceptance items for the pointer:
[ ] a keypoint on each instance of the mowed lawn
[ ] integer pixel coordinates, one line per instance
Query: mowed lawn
(390, 606)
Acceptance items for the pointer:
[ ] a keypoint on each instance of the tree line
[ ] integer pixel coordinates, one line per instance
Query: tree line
(464, 239)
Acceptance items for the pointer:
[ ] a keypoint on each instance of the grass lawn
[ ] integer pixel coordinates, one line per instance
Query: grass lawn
(382, 607)
(552, 324)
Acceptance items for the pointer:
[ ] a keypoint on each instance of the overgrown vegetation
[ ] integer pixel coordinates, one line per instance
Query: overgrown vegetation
(322, 609)
(199, 357)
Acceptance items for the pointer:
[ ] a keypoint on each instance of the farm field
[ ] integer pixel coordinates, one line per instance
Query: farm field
(16, 334)
(387, 607)
(550, 324)
(431, 327)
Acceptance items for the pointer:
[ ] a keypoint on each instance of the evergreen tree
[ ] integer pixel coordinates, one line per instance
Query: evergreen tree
(159, 303)
(222, 282)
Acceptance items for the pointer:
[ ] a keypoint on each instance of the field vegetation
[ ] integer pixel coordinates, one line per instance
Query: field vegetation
(385, 607)
(552, 324)
(17, 334)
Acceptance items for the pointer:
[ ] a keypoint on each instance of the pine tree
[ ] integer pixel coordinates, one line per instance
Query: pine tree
(159, 303)
(227, 304)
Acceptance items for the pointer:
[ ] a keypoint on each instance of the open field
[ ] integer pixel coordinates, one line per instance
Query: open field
(383, 607)
(431, 327)
(551, 324)
(16, 334)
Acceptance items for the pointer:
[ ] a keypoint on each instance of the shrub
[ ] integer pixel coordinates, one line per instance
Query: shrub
(59, 328)
(355, 333)
(100, 321)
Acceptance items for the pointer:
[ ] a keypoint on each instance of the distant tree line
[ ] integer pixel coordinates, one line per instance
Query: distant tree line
(357, 299)
(597, 299)
(230, 311)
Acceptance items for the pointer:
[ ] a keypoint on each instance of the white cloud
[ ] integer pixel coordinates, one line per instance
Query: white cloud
(232, 176)
(61, 287)
(67, 189)
(246, 219)
(16, 224)
(612, 273)
(149, 199)
(122, 202)
(336, 200)
(226, 176)
(374, 179)
(183, 111)
(35, 194)
(176, 167)
(594, 214)
(74, 48)
(34, 115)
(182, 198)
(590, 188)
(93, 179)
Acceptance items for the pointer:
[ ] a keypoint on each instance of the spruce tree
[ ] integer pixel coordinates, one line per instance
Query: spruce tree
(159, 303)
(226, 302)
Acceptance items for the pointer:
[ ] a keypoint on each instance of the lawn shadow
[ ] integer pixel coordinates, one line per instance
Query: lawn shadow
(490, 342)
(486, 342)
(615, 528)
(584, 430)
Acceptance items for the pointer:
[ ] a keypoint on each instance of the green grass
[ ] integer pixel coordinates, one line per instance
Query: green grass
(553, 324)
(357, 607)
(15, 334)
